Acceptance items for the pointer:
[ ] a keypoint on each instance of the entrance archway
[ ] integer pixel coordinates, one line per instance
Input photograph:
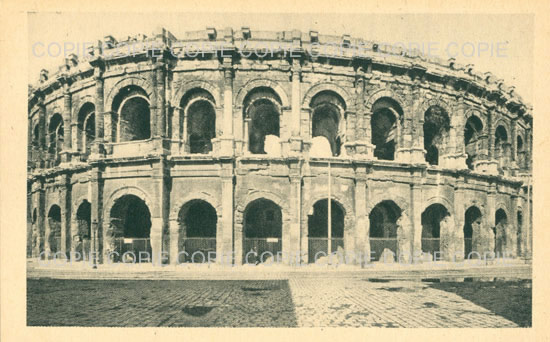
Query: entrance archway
(131, 228)
(54, 223)
(84, 233)
(263, 226)
(431, 227)
(197, 234)
(501, 225)
(472, 221)
(318, 229)
(383, 228)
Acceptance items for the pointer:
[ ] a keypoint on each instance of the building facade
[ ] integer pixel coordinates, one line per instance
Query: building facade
(222, 142)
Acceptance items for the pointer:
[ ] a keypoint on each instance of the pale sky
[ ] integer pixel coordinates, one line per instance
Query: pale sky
(461, 36)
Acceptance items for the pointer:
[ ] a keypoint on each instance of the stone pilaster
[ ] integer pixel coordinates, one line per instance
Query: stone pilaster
(67, 120)
(460, 211)
(416, 217)
(295, 138)
(65, 202)
(159, 215)
(98, 225)
(294, 240)
(362, 245)
(227, 139)
(224, 246)
(97, 147)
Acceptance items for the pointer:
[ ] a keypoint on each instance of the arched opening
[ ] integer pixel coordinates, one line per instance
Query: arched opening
(131, 228)
(383, 228)
(55, 134)
(86, 127)
(84, 228)
(134, 115)
(327, 108)
(263, 226)
(318, 229)
(431, 221)
(262, 111)
(385, 121)
(500, 230)
(520, 234)
(436, 133)
(472, 138)
(197, 235)
(198, 121)
(472, 221)
(520, 152)
(54, 223)
(36, 136)
(502, 146)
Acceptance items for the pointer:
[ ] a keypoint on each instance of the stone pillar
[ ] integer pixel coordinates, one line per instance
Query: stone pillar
(97, 147)
(42, 146)
(306, 193)
(456, 156)
(160, 89)
(159, 214)
(486, 162)
(65, 203)
(293, 252)
(67, 116)
(185, 137)
(362, 245)
(174, 241)
(224, 248)
(489, 221)
(153, 103)
(98, 225)
(460, 211)
(416, 216)
(296, 106)
(227, 139)
(39, 204)
(349, 143)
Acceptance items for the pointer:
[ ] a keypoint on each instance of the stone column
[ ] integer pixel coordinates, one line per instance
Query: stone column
(97, 147)
(160, 89)
(153, 102)
(174, 241)
(42, 146)
(362, 245)
(416, 216)
(65, 203)
(293, 251)
(225, 246)
(227, 139)
(486, 162)
(489, 222)
(460, 211)
(39, 204)
(159, 214)
(349, 143)
(296, 106)
(67, 116)
(98, 226)
(306, 193)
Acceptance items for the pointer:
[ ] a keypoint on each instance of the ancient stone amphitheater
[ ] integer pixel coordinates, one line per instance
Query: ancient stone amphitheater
(231, 142)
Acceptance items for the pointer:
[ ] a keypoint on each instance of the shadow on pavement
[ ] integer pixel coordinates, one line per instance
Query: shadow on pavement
(511, 299)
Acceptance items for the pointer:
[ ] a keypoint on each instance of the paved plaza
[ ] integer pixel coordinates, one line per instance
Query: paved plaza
(294, 302)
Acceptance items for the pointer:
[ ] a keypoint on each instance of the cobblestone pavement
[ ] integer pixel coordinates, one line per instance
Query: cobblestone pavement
(257, 303)
(372, 303)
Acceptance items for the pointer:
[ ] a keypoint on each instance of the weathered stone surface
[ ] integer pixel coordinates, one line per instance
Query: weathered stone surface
(232, 131)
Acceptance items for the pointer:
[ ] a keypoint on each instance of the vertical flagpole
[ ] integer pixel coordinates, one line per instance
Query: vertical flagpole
(329, 211)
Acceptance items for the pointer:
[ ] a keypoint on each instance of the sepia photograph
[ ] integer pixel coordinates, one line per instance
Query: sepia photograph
(272, 169)
(237, 175)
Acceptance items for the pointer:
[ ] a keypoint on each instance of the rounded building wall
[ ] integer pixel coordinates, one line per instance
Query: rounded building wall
(412, 146)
